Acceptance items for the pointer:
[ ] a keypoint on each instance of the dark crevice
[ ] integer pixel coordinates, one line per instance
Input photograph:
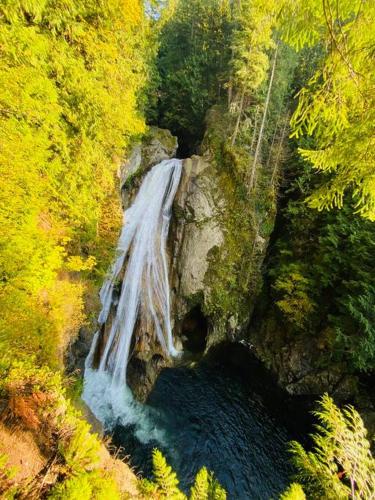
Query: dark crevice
(188, 141)
(188, 144)
(194, 331)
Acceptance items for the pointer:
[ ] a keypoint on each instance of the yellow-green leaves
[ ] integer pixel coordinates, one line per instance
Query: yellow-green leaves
(71, 72)
(337, 106)
(165, 484)
(340, 466)
(294, 492)
(256, 20)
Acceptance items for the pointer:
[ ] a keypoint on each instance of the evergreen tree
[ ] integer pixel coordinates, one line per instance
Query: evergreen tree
(193, 63)
(165, 484)
(165, 478)
(337, 104)
(206, 487)
(340, 466)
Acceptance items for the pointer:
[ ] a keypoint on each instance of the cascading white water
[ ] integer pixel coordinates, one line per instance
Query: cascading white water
(144, 295)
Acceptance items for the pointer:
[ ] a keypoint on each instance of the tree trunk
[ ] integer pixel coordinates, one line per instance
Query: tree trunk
(257, 150)
(234, 136)
(277, 160)
(255, 130)
(229, 94)
(272, 143)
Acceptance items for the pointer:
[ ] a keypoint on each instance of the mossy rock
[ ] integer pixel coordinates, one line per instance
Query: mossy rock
(157, 145)
(234, 273)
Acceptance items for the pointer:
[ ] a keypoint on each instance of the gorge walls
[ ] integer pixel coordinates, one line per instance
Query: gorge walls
(217, 243)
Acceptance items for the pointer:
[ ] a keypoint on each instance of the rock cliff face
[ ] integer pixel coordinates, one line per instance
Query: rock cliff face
(217, 243)
(296, 361)
(297, 364)
(196, 232)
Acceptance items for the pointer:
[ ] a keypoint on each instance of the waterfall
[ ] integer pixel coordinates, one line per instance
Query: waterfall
(144, 299)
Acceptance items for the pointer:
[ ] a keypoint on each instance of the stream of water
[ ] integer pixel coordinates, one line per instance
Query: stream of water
(201, 415)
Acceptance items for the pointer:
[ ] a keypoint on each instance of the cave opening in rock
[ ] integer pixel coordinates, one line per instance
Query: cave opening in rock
(194, 330)
(188, 144)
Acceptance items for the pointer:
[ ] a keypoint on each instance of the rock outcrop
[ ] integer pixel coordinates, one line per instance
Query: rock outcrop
(158, 145)
(217, 243)
(296, 362)
(196, 232)
(219, 239)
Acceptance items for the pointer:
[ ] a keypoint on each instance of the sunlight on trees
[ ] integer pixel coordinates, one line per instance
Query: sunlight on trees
(70, 79)
(340, 465)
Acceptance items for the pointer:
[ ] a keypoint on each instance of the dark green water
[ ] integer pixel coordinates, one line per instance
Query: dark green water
(211, 416)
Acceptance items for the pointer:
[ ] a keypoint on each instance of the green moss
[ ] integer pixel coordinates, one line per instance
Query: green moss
(233, 275)
(194, 300)
(164, 136)
(133, 179)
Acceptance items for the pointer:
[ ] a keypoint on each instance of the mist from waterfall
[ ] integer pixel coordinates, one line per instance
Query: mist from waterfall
(144, 299)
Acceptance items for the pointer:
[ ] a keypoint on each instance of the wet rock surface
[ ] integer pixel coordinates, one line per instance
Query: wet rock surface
(205, 268)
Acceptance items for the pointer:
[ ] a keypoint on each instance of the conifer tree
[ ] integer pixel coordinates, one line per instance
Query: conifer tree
(165, 477)
(340, 465)
(337, 105)
(294, 492)
(206, 487)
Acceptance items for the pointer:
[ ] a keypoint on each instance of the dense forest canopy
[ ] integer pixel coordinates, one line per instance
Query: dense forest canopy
(290, 85)
(209, 49)
(71, 75)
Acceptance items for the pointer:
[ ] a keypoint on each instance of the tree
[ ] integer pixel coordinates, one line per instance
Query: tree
(337, 105)
(206, 487)
(71, 74)
(252, 37)
(340, 466)
(261, 130)
(165, 478)
(165, 484)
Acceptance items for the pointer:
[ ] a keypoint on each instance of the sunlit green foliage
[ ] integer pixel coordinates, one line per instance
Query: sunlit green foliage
(206, 487)
(165, 479)
(36, 400)
(70, 76)
(252, 38)
(165, 483)
(337, 105)
(86, 486)
(7, 489)
(294, 492)
(340, 465)
(293, 288)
